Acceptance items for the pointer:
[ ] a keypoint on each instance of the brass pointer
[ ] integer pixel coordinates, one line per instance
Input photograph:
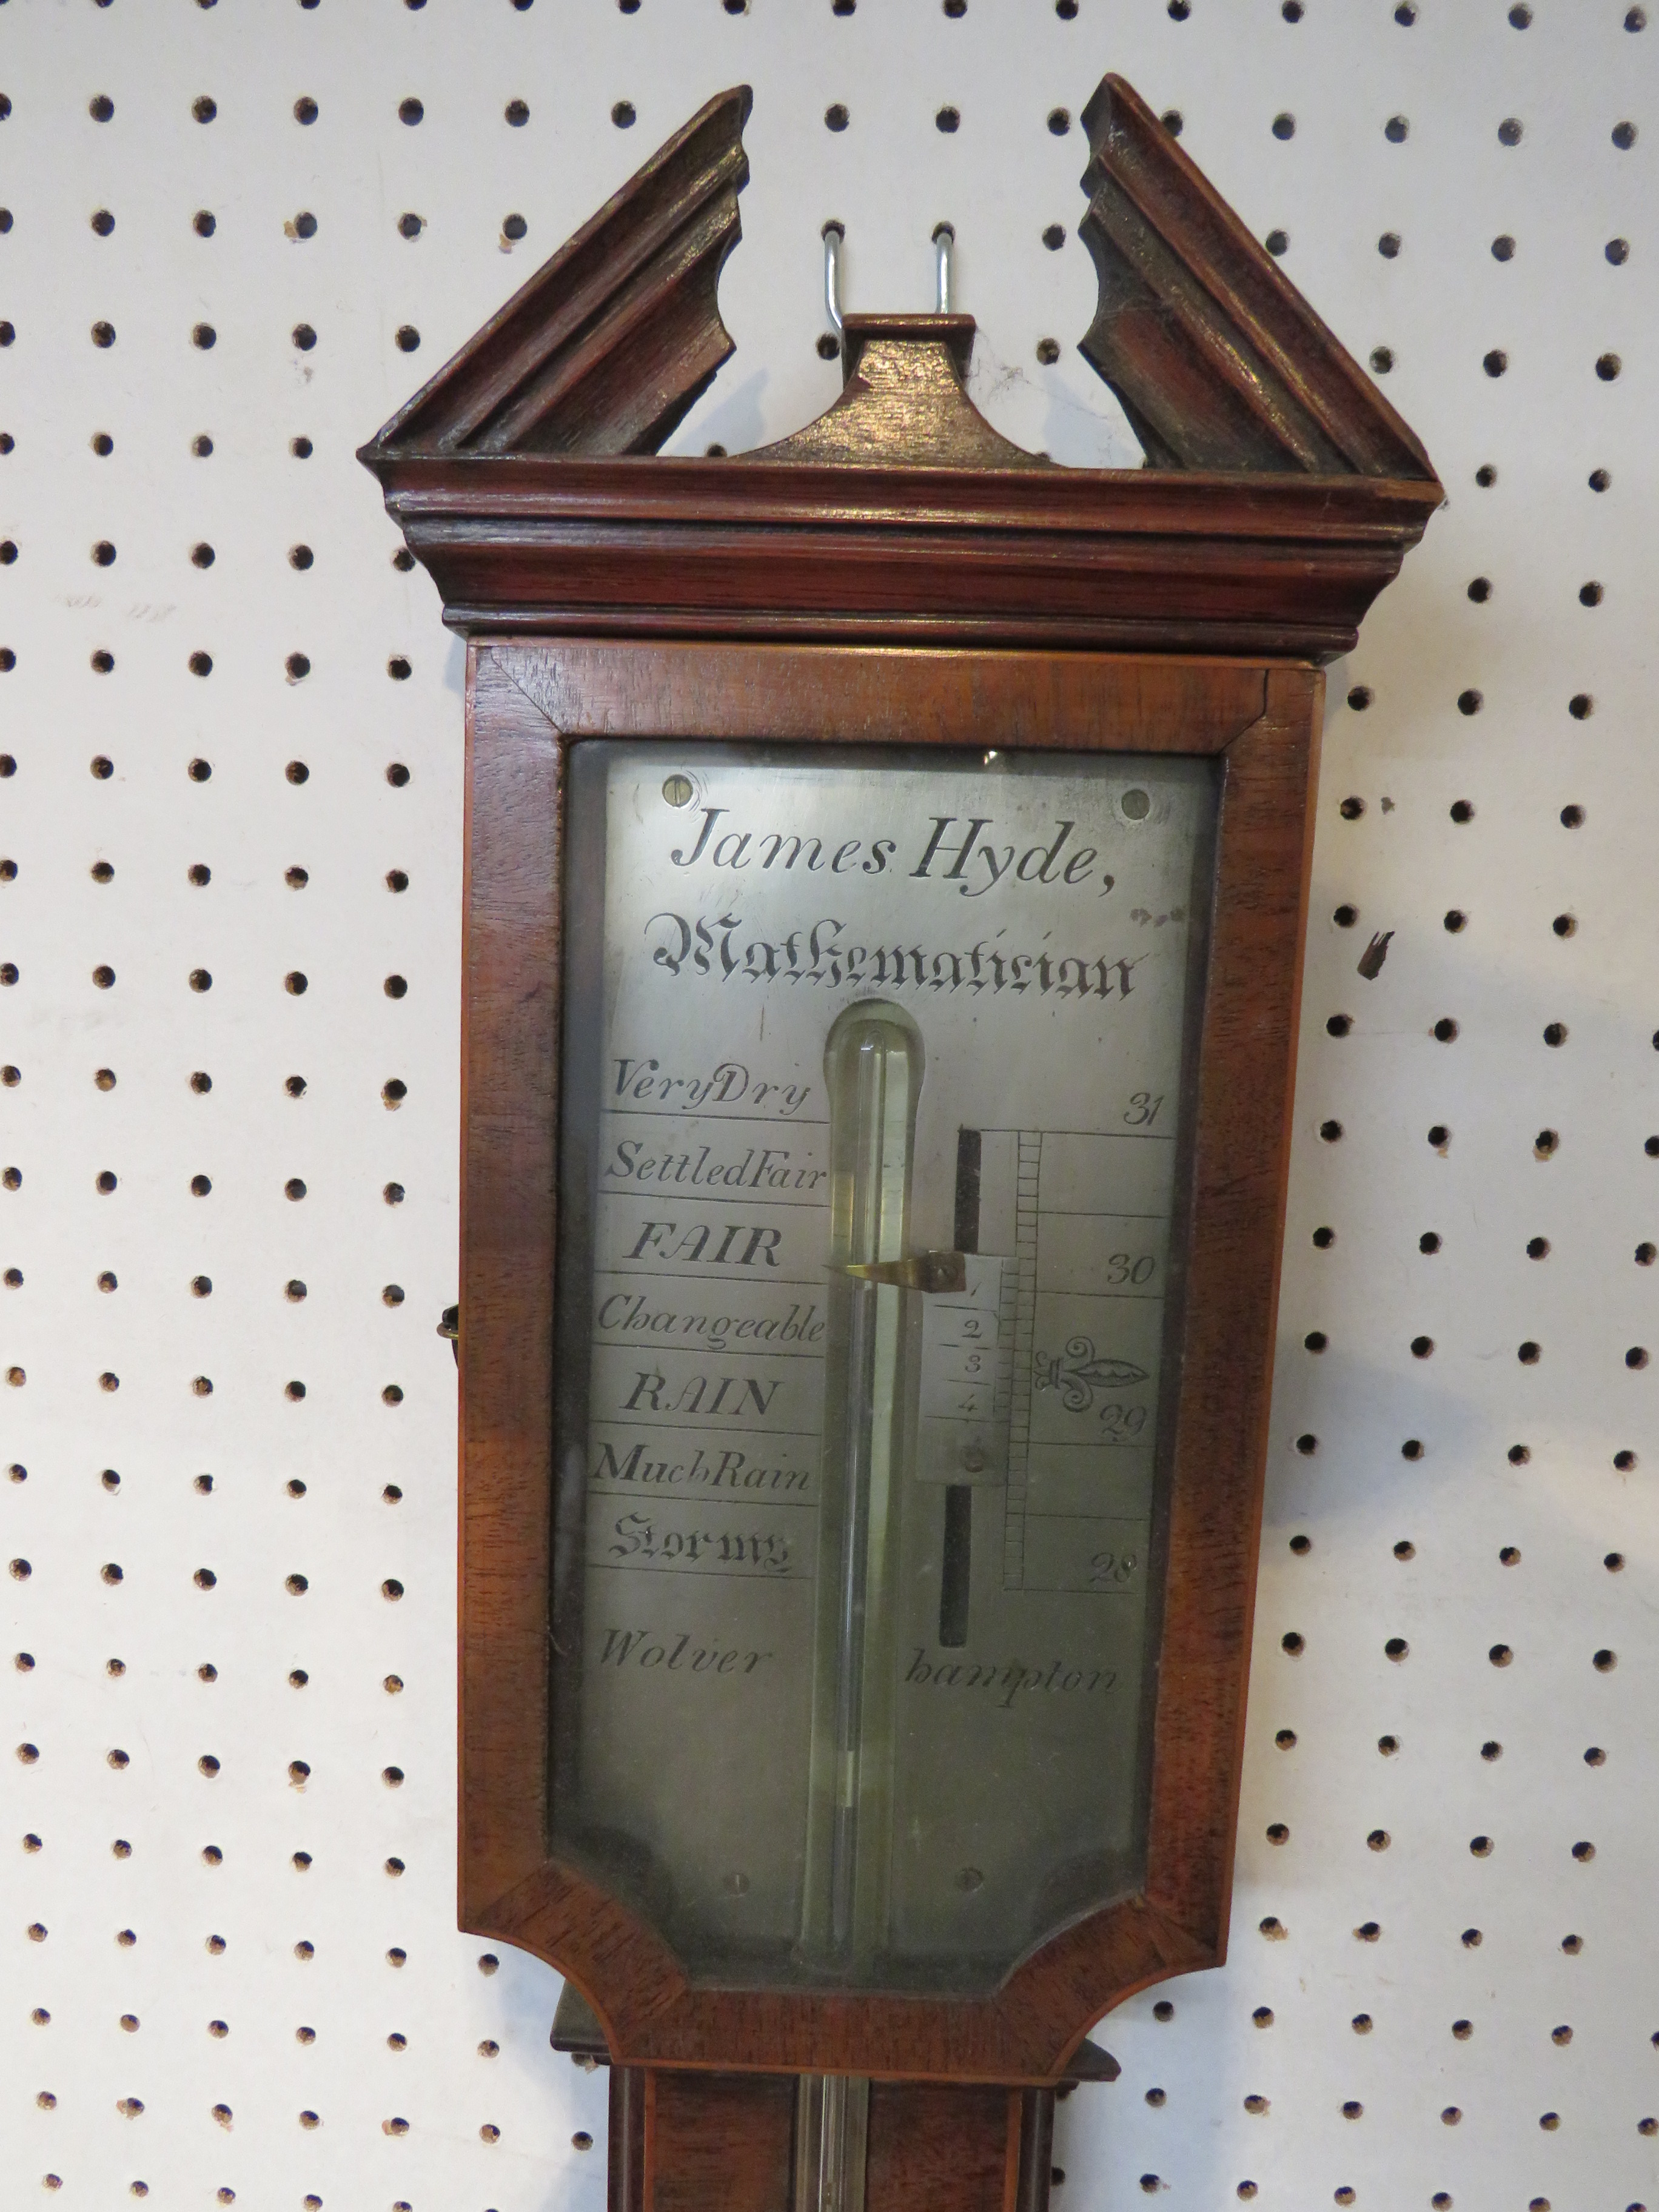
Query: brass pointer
(923, 1271)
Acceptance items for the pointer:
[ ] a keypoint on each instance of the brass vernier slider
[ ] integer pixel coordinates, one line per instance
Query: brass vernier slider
(921, 1271)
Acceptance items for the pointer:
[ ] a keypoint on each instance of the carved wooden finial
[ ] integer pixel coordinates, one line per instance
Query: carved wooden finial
(903, 402)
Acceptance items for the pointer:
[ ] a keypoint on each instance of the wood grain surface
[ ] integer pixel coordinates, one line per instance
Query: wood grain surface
(1259, 566)
(613, 337)
(935, 2150)
(724, 2143)
(1219, 361)
(509, 1073)
(718, 2142)
(790, 694)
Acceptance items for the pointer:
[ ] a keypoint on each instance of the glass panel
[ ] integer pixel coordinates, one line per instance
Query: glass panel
(869, 1186)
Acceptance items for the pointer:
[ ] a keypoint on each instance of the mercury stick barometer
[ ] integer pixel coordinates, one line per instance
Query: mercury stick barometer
(886, 856)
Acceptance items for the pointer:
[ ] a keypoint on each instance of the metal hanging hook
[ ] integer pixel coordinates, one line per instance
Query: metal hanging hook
(832, 234)
(945, 238)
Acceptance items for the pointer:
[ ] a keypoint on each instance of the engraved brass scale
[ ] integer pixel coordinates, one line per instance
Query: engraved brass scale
(886, 867)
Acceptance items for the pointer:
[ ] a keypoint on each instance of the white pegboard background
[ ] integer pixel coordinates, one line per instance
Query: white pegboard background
(1305, 2111)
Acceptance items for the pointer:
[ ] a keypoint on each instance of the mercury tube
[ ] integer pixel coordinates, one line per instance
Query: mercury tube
(872, 1064)
(873, 1069)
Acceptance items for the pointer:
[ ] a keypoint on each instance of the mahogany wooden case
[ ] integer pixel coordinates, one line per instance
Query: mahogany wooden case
(895, 573)
(529, 701)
